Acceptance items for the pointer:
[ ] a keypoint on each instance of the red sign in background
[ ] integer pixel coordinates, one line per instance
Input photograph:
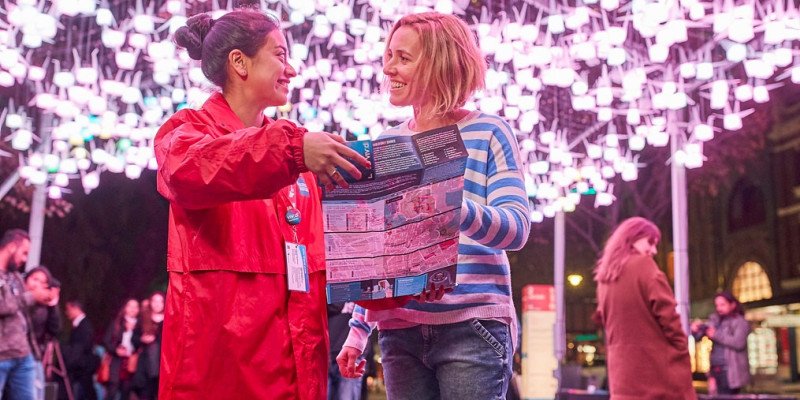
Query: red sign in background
(538, 298)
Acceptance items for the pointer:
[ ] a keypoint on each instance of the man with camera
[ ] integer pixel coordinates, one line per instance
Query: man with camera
(17, 366)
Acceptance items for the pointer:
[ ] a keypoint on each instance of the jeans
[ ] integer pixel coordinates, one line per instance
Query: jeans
(720, 374)
(19, 374)
(341, 388)
(38, 380)
(464, 360)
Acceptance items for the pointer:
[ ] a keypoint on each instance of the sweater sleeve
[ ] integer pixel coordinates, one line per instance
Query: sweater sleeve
(199, 169)
(360, 330)
(504, 222)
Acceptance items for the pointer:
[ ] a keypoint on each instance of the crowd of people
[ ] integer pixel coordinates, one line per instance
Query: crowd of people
(244, 193)
(32, 351)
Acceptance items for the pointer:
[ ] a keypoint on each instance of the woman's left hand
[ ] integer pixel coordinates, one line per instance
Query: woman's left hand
(432, 294)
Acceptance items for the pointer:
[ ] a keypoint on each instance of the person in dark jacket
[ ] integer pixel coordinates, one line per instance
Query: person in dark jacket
(147, 337)
(78, 353)
(45, 319)
(119, 344)
(17, 364)
(728, 330)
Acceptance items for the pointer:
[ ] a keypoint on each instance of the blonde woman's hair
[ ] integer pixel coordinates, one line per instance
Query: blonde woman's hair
(619, 247)
(456, 66)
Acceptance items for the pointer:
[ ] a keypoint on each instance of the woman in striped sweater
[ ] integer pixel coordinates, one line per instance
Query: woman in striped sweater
(461, 345)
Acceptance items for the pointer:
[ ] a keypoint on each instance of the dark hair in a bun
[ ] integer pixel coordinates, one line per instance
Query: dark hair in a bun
(210, 41)
(191, 36)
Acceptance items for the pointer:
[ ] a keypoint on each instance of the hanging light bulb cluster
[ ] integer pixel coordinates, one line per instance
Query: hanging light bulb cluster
(639, 72)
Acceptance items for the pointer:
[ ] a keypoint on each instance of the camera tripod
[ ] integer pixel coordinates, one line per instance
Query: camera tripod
(60, 369)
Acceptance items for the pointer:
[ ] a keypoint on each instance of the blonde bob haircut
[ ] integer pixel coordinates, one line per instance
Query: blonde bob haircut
(456, 67)
(619, 247)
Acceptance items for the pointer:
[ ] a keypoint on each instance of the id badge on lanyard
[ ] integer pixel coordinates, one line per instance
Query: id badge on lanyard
(295, 253)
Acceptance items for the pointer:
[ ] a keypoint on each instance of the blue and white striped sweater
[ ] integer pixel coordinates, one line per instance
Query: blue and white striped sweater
(494, 218)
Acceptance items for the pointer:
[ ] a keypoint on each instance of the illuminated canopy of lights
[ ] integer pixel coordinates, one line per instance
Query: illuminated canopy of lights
(586, 84)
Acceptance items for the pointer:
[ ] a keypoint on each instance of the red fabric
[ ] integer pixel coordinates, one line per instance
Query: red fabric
(648, 352)
(222, 180)
(232, 330)
(238, 336)
(385, 304)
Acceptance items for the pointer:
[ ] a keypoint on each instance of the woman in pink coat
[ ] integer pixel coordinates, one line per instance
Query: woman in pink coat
(648, 355)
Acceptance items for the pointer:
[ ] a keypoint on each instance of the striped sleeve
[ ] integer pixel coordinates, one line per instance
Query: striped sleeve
(360, 330)
(503, 223)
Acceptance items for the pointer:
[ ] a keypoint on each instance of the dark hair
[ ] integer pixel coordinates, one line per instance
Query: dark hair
(75, 303)
(119, 321)
(146, 315)
(13, 236)
(210, 41)
(730, 298)
(44, 270)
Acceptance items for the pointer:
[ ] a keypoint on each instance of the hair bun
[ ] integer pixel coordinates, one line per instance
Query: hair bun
(192, 35)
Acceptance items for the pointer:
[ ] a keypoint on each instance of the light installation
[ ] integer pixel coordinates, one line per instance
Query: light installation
(587, 85)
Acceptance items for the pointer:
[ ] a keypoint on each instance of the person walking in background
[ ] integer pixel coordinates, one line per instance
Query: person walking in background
(648, 352)
(79, 357)
(148, 339)
(728, 330)
(244, 208)
(118, 342)
(17, 344)
(459, 346)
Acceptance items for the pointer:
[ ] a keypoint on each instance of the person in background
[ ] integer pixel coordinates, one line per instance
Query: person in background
(459, 345)
(46, 318)
(17, 344)
(245, 208)
(118, 343)
(149, 340)
(728, 330)
(79, 357)
(648, 352)
(339, 387)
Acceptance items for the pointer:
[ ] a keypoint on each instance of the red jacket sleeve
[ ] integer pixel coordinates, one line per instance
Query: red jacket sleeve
(200, 168)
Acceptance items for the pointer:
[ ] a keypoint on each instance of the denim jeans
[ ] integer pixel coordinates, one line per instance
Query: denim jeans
(341, 388)
(19, 374)
(38, 380)
(465, 360)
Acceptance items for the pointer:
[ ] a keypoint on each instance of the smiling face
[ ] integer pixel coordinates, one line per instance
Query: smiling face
(269, 73)
(646, 246)
(401, 65)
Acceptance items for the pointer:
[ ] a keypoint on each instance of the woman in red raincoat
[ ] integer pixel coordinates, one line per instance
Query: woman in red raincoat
(243, 192)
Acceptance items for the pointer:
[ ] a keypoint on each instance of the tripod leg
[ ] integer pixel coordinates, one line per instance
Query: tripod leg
(63, 372)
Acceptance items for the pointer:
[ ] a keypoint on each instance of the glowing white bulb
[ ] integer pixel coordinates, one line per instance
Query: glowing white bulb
(636, 143)
(703, 132)
(633, 117)
(732, 122)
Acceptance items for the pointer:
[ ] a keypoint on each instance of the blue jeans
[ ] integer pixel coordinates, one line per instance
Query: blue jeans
(19, 374)
(465, 360)
(341, 388)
